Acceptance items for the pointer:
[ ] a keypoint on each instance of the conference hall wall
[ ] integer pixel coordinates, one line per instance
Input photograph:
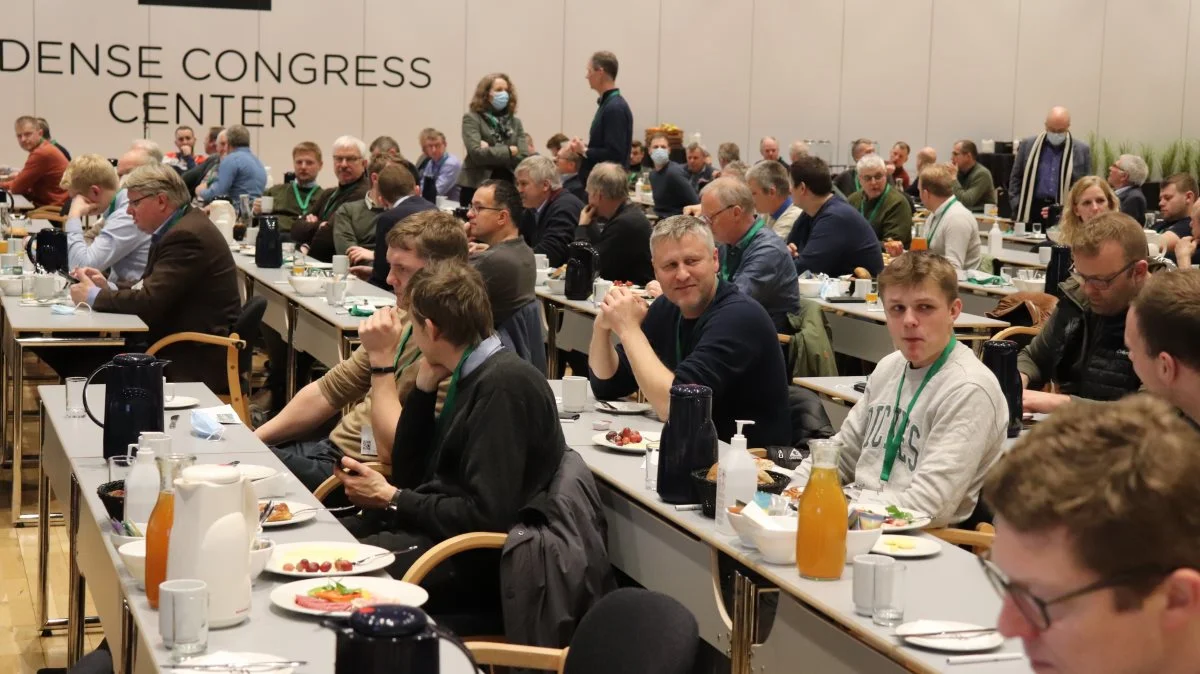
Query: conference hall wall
(925, 71)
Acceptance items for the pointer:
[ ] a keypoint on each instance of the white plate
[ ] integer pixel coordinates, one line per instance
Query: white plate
(394, 591)
(638, 448)
(949, 643)
(919, 520)
(915, 546)
(226, 657)
(248, 252)
(180, 403)
(326, 551)
(623, 407)
(296, 519)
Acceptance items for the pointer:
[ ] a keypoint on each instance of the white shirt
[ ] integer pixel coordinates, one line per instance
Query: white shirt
(954, 234)
(120, 245)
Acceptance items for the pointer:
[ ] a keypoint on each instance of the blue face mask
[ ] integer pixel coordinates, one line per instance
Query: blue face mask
(659, 156)
(500, 101)
(1056, 138)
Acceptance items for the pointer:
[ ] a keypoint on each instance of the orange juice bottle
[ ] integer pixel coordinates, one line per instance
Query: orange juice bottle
(162, 518)
(919, 243)
(821, 529)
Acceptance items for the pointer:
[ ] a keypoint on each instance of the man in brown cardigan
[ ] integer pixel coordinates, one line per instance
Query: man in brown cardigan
(189, 284)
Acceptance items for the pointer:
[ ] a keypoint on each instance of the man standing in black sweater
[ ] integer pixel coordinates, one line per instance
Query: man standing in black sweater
(611, 134)
(701, 331)
(495, 444)
(548, 223)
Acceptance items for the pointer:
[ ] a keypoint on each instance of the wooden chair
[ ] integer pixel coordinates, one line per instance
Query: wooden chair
(331, 483)
(980, 540)
(51, 213)
(1015, 330)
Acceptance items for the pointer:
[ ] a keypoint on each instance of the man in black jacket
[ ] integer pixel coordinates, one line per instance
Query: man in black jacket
(398, 187)
(493, 447)
(616, 227)
(550, 212)
(611, 134)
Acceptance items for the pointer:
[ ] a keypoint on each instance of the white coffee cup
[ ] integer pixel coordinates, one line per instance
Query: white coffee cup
(168, 391)
(48, 286)
(1154, 250)
(864, 581)
(542, 260)
(267, 204)
(341, 265)
(1019, 229)
(574, 394)
(543, 276)
(155, 440)
(442, 202)
(600, 290)
(862, 286)
(183, 615)
(1044, 254)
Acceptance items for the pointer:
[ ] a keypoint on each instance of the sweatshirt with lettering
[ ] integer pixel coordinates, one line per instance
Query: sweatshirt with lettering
(953, 438)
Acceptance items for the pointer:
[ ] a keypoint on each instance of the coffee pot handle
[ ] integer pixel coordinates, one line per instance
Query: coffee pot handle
(29, 251)
(88, 383)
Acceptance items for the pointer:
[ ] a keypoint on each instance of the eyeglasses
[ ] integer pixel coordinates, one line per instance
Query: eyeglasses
(1036, 610)
(708, 219)
(135, 202)
(480, 207)
(1101, 282)
(346, 160)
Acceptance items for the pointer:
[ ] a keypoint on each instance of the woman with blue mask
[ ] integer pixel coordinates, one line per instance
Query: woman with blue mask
(494, 138)
(669, 181)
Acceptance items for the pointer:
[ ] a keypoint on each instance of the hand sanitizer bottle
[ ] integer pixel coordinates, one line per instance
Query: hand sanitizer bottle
(737, 478)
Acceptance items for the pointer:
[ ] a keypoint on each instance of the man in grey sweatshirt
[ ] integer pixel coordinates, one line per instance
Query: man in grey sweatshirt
(932, 420)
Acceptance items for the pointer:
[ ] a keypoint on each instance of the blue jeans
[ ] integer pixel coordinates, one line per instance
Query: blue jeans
(311, 461)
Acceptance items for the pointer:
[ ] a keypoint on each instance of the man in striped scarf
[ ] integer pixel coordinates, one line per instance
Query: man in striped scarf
(1047, 165)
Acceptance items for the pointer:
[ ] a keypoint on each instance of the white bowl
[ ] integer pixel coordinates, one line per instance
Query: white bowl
(308, 285)
(118, 540)
(744, 528)
(543, 275)
(860, 542)
(556, 286)
(1030, 285)
(810, 287)
(778, 546)
(267, 481)
(134, 556)
(260, 552)
(11, 285)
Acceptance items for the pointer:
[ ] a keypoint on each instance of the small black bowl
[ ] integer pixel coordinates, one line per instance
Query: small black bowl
(706, 489)
(115, 505)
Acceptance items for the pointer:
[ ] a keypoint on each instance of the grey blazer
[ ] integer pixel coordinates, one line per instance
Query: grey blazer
(1082, 155)
(479, 163)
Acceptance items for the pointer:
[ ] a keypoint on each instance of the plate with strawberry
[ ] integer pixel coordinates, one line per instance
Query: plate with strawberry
(626, 440)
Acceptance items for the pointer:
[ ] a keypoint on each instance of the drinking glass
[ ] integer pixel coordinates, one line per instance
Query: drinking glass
(183, 617)
(298, 263)
(27, 287)
(1008, 273)
(1151, 218)
(120, 465)
(888, 609)
(1037, 228)
(75, 386)
(335, 292)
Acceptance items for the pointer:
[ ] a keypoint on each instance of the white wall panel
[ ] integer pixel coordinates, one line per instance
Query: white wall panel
(17, 78)
(1191, 75)
(1145, 46)
(885, 72)
(524, 40)
(972, 72)
(627, 28)
(704, 71)
(1059, 49)
(435, 48)
(796, 73)
(332, 105)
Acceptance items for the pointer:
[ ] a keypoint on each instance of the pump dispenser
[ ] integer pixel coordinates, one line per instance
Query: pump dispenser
(737, 479)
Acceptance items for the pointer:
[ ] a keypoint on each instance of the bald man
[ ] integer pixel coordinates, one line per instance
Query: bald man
(1047, 165)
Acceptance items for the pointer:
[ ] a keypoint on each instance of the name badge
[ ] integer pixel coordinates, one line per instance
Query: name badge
(366, 445)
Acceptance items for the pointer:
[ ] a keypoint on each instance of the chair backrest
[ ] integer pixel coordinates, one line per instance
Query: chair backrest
(248, 328)
(634, 631)
(522, 333)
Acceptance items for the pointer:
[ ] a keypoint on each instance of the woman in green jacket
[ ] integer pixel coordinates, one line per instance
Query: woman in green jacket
(494, 137)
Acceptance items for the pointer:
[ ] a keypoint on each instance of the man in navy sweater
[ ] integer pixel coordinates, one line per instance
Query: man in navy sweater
(831, 237)
(611, 134)
(551, 212)
(400, 192)
(701, 331)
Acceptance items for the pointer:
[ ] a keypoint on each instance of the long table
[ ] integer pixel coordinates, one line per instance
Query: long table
(568, 322)
(862, 333)
(72, 465)
(678, 553)
(307, 323)
(35, 327)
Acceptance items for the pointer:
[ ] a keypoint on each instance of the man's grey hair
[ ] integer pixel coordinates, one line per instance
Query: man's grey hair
(798, 149)
(737, 169)
(859, 143)
(351, 143)
(608, 180)
(1135, 167)
(770, 174)
(765, 139)
(869, 162)
(727, 152)
(696, 147)
(237, 136)
(731, 192)
(540, 169)
(157, 178)
(149, 147)
(678, 226)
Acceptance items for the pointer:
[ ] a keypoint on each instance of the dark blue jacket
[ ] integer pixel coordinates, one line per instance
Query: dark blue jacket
(732, 349)
(611, 135)
(553, 229)
(835, 241)
(383, 225)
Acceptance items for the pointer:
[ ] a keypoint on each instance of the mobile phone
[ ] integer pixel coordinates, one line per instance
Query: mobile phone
(846, 300)
(861, 387)
(71, 280)
(568, 416)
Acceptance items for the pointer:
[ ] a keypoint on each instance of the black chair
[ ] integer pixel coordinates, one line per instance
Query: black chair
(632, 631)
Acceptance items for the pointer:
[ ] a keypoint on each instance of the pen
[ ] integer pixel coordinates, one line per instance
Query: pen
(987, 657)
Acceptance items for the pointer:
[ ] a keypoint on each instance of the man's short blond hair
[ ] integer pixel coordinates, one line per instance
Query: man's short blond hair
(1111, 226)
(154, 178)
(938, 179)
(914, 268)
(87, 170)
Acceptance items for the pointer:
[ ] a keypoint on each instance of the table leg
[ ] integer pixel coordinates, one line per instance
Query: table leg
(4, 382)
(18, 380)
(128, 639)
(552, 317)
(77, 591)
(291, 350)
(43, 547)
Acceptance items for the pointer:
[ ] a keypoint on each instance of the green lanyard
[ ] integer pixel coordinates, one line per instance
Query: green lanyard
(878, 204)
(112, 205)
(307, 198)
(400, 351)
(895, 436)
(728, 270)
(941, 215)
(329, 203)
(857, 185)
(448, 406)
(166, 226)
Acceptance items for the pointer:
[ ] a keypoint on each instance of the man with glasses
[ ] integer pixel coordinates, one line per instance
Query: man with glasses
(313, 233)
(1097, 550)
(753, 257)
(502, 257)
(882, 204)
(1082, 347)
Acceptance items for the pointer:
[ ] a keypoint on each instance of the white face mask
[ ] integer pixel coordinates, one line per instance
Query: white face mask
(1056, 138)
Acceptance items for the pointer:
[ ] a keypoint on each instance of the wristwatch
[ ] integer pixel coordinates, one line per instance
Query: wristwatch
(390, 369)
(394, 504)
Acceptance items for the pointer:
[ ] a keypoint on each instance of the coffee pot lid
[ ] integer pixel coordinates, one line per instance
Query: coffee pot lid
(134, 359)
(388, 621)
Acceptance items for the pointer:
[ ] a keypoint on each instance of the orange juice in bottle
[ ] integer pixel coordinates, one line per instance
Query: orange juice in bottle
(162, 518)
(821, 528)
